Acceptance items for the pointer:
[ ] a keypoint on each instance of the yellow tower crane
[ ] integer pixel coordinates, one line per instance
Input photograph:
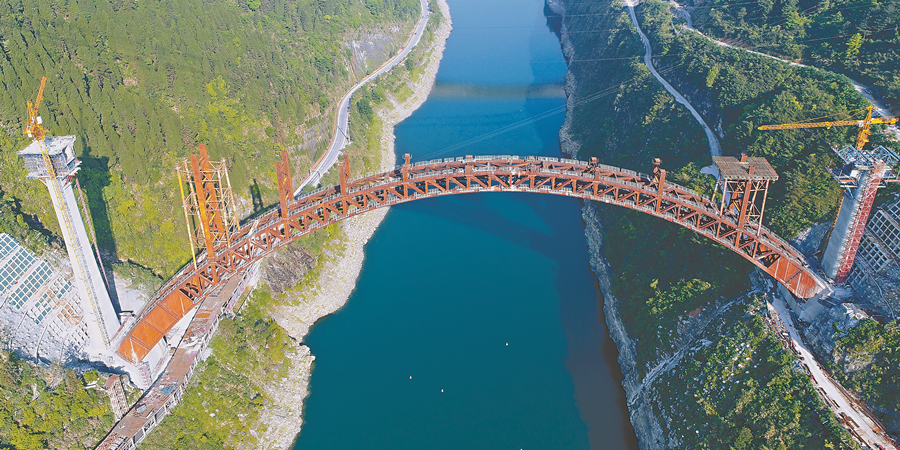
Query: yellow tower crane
(33, 127)
(863, 125)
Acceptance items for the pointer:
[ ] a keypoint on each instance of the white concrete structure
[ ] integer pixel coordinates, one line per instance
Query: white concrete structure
(99, 313)
(40, 312)
(865, 171)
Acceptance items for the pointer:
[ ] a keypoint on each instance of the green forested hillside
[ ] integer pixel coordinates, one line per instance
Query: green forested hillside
(736, 91)
(860, 38)
(50, 407)
(661, 272)
(746, 90)
(223, 405)
(866, 362)
(251, 351)
(142, 83)
(742, 392)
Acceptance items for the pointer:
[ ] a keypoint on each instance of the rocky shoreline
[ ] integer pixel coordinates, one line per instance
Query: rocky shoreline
(282, 417)
(646, 425)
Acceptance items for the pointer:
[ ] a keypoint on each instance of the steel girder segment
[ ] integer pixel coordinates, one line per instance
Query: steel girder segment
(154, 325)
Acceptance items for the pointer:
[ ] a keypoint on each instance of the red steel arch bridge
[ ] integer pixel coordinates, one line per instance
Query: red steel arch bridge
(734, 222)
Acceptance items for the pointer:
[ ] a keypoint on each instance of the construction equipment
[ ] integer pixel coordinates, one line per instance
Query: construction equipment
(33, 127)
(863, 125)
(863, 173)
(52, 160)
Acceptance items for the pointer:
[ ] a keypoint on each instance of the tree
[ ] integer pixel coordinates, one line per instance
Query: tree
(853, 45)
(711, 76)
(743, 440)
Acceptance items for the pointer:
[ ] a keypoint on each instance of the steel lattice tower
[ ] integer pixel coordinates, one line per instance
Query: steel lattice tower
(864, 172)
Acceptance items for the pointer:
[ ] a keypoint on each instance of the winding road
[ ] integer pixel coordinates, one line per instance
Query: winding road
(715, 148)
(861, 425)
(342, 116)
(864, 90)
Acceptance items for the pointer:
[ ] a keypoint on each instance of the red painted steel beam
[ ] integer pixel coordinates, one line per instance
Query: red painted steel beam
(413, 181)
(866, 192)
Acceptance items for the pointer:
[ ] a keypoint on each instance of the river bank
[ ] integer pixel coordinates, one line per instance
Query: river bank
(666, 413)
(282, 416)
(645, 423)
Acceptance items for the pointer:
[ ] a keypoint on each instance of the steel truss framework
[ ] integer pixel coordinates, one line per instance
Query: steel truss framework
(865, 198)
(296, 217)
(209, 203)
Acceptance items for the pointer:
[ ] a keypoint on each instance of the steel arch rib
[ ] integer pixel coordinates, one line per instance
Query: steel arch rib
(453, 176)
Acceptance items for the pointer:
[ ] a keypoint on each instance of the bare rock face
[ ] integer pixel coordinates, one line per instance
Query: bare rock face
(830, 326)
(371, 49)
(286, 268)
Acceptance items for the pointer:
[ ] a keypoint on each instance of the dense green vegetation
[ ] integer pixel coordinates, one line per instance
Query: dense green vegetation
(750, 90)
(655, 285)
(745, 391)
(226, 397)
(662, 272)
(227, 393)
(735, 90)
(142, 83)
(860, 38)
(50, 408)
(866, 363)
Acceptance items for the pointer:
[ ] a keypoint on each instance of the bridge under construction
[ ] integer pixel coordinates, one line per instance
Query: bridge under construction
(734, 222)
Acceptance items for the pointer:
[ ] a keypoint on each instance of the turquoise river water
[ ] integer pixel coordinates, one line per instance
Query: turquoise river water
(475, 322)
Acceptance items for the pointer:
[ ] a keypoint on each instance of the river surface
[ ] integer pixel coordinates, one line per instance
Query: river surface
(475, 321)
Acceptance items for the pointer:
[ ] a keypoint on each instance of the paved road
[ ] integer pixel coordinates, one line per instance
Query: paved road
(342, 119)
(868, 431)
(866, 92)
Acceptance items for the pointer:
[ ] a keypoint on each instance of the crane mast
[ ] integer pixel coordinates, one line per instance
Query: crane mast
(33, 126)
(57, 170)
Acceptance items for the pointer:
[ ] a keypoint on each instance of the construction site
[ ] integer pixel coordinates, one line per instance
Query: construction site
(47, 315)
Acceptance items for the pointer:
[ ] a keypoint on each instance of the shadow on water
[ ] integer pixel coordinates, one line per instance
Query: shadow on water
(463, 90)
(94, 178)
(592, 353)
(611, 358)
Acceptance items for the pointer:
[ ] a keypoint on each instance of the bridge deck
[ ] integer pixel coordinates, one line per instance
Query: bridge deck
(297, 217)
(166, 392)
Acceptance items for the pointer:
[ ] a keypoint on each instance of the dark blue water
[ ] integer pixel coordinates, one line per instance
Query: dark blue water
(475, 321)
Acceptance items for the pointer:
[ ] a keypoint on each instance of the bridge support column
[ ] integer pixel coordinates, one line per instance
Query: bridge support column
(659, 177)
(210, 202)
(344, 177)
(285, 184)
(404, 170)
(203, 196)
(745, 185)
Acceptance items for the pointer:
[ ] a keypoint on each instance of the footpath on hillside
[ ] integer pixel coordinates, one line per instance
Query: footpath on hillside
(715, 148)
